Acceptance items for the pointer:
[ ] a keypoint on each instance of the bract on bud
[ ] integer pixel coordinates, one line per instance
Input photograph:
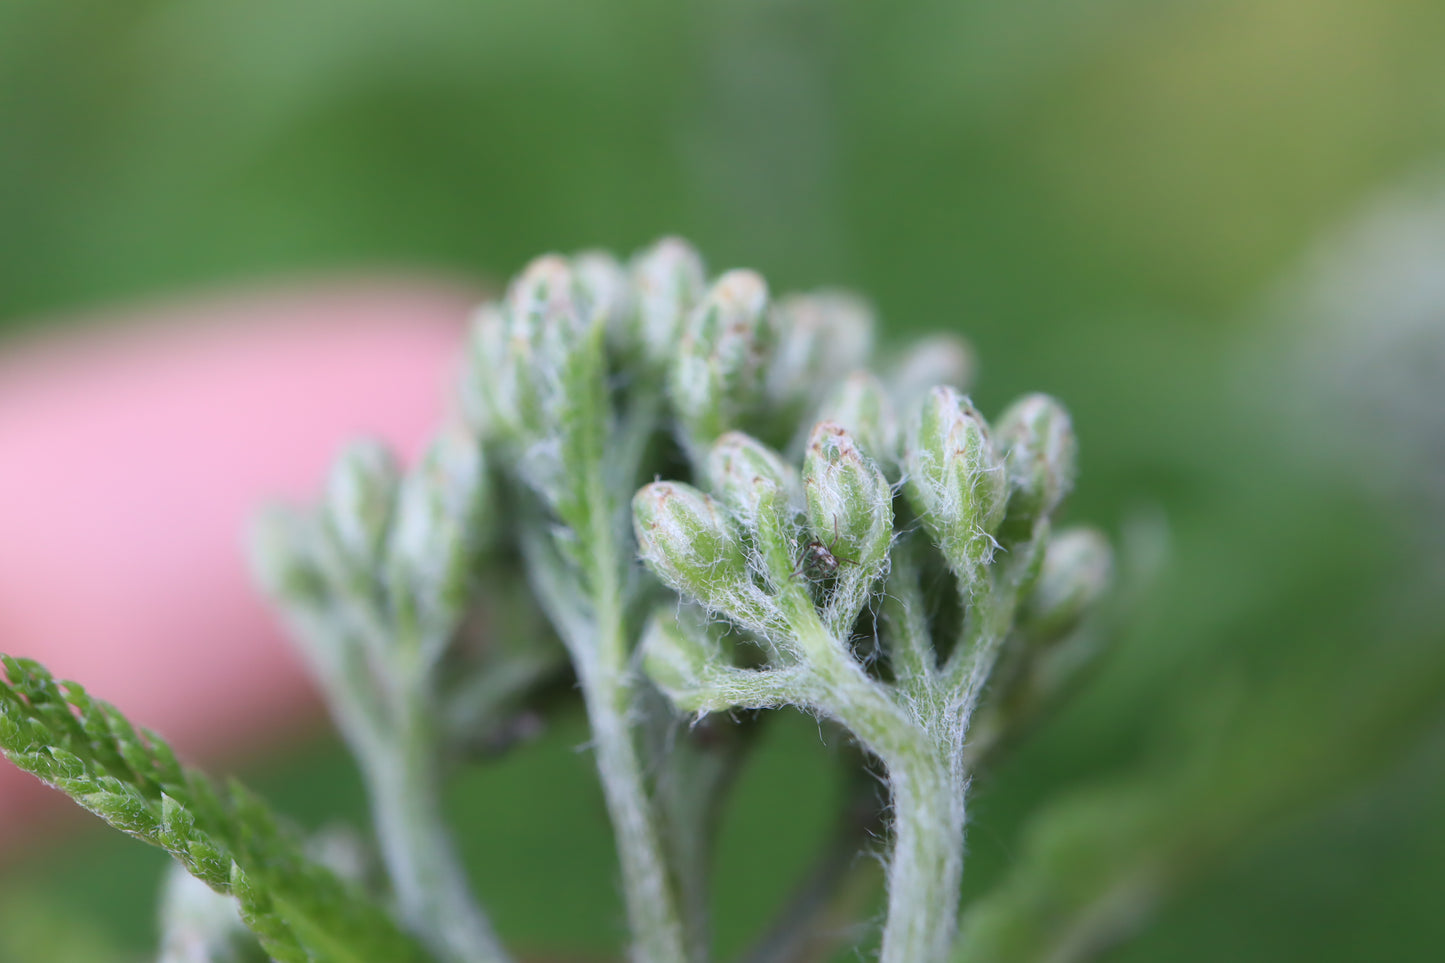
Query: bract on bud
(1078, 566)
(1037, 439)
(955, 480)
(668, 281)
(719, 366)
(357, 505)
(849, 502)
(861, 405)
(942, 359)
(690, 543)
(820, 336)
(436, 534)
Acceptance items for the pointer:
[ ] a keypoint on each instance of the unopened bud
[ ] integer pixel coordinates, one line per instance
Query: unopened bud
(282, 546)
(549, 321)
(668, 281)
(764, 494)
(1036, 437)
(356, 508)
(676, 655)
(861, 405)
(545, 301)
(751, 478)
(604, 289)
(820, 336)
(955, 480)
(849, 502)
(719, 367)
(942, 359)
(1078, 565)
(690, 543)
(437, 533)
(548, 399)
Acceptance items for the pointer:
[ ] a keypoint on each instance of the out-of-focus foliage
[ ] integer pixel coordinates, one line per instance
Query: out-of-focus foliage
(1097, 194)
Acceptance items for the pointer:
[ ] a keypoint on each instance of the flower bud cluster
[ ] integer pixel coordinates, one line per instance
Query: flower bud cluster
(539, 384)
(438, 529)
(821, 503)
(399, 546)
(356, 512)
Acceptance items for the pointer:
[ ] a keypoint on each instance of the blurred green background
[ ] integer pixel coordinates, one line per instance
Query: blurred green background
(1103, 196)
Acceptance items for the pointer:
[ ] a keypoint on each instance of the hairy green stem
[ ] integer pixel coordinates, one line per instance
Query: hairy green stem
(922, 751)
(602, 674)
(605, 678)
(927, 862)
(431, 887)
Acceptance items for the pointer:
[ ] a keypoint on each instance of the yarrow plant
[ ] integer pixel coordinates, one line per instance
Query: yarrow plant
(719, 508)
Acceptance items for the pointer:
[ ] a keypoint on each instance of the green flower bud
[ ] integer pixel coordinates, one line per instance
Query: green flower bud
(849, 503)
(1078, 566)
(548, 320)
(283, 557)
(955, 480)
(719, 367)
(546, 302)
(752, 478)
(861, 405)
(605, 289)
(668, 280)
(942, 359)
(1037, 439)
(356, 512)
(691, 545)
(676, 655)
(551, 396)
(764, 494)
(436, 535)
(819, 336)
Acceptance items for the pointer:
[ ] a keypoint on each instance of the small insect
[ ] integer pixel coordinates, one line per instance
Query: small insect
(819, 561)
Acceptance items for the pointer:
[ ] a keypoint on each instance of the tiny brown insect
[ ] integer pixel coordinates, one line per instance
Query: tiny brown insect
(818, 560)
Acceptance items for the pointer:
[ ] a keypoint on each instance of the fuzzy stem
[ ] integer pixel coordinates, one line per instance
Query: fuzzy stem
(927, 861)
(911, 651)
(607, 690)
(430, 884)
